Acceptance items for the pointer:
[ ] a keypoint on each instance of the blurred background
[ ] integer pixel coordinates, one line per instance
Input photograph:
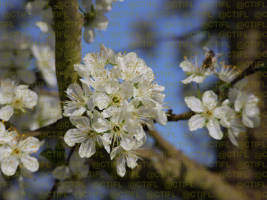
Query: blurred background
(161, 33)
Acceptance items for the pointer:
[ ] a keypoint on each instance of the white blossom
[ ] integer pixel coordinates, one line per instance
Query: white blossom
(5, 135)
(15, 154)
(17, 65)
(125, 156)
(85, 134)
(231, 121)
(226, 73)
(81, 99)
(247, 104)
(209, 114)
(45, 57)
(196, 73)
(19, 98)
(95, 19)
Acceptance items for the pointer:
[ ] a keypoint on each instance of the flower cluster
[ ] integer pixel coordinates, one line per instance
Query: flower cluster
(235, 114)
(13, 149)
(117, 97)
(198, 71)
(94, 17)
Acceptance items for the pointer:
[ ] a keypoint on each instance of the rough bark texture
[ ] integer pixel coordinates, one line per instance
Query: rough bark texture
(68, 23)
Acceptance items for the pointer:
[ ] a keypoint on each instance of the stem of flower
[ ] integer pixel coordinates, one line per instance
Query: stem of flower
(198, 90)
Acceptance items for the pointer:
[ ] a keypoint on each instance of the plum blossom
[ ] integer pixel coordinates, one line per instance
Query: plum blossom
(247, 104)
(18, 98)
(86, 134)
(209, 113)
(196, 73)
(226, 73)
(126, 154)
(15, 154)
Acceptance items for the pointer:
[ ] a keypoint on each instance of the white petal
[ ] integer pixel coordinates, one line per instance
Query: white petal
(225, 102)
(102, 100)
(194, 104)
(30, 99)
(74, 136)
(89, 35)
(6, 151)
(83, 70)
(101, 125)
(131, 161)
(74, 91)
(232, 137)
(90, 103)
(87, 148)
(112, 86)
(80, 122)
(116, 151)
(225, 123)
(209, 99)
(196, 122)
(106, 139)
(86, 90)
(6, 112)
(252, 111)
(78, 112)
(199, 79)
(2, 127)
(224, 112)
(239, 103)
(61, 173)
(128, 143)
(127, 89)
(44, 27)
(246, 121)
(161, 118)
(9, 166)
(101, 22)
(30, 145)
(214, 129)
(188, 79)
(121, 166)
(30, 163)
(5, 96)
(7, 136)
(138, 132)
(187, 66)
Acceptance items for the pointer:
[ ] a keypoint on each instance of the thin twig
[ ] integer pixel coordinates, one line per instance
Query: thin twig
(54, 188)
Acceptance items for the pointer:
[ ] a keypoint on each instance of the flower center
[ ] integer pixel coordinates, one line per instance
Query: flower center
(16, 151)
(209, 114)
(115, 100)
(17, 103)
(116, 129)
(90, 133)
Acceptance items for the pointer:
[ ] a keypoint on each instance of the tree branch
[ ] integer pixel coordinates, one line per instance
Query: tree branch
(54, 188)
(68, 23)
